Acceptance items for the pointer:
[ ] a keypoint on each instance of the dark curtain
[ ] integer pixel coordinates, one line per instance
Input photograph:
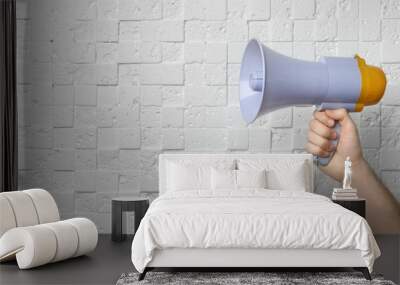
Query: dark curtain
(8, 98)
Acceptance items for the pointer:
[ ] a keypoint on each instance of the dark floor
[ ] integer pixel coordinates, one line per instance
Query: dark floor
(110, 260)
(103, 266)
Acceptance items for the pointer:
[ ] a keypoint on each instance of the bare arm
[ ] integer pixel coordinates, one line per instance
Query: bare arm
(383, 210)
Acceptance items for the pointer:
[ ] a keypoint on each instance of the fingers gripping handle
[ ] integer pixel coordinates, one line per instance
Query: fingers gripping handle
(325, 160)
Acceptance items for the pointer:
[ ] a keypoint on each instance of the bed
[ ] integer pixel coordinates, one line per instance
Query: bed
(245, 211)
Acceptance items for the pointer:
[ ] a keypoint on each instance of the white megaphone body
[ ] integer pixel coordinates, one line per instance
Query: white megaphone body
(270, 81)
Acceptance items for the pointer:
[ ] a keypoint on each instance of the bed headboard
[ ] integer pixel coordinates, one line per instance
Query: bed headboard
(164, 158)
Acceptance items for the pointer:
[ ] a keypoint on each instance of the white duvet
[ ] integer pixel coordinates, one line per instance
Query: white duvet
(250, 219)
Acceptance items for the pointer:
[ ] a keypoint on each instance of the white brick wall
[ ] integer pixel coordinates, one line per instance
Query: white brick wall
(104, 86)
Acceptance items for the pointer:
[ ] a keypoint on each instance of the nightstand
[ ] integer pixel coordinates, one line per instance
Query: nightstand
(119, 205)
(357, 205)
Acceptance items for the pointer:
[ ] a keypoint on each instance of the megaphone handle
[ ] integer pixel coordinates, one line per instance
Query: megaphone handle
(325, 160)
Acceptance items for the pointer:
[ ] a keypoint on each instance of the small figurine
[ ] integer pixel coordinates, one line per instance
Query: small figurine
(347, 174)
(346, 192)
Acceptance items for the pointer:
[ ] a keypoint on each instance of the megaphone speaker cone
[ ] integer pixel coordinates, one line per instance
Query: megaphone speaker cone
(269, 81)
(252, 81)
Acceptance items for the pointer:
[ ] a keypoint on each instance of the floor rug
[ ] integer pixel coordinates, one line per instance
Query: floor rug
(244, 278)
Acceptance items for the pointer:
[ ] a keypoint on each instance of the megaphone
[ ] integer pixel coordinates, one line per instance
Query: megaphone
(270, 81)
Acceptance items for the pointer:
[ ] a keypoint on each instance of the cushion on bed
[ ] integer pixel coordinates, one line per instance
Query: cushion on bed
(235, 179)
(251, 178)
(281, 174)
(183, 177)
(188, 174)
(223, 179)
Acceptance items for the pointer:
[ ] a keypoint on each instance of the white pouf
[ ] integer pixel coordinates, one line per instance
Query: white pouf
(31, 233)
(67, 239)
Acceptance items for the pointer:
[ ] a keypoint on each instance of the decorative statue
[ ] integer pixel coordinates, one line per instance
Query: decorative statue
(347, 174)
(346, 192)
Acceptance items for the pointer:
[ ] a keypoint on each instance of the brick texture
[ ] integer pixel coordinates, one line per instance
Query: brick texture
(105, 86)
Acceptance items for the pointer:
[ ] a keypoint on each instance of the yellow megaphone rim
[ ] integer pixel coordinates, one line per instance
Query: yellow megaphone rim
(373, 84)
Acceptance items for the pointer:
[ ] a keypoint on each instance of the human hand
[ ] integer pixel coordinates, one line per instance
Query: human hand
(321, 132)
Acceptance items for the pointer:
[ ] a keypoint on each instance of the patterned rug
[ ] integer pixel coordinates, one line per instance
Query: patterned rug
(243, 278)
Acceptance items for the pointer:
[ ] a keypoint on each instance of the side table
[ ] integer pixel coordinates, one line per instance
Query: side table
(357, 206)
(139, 205)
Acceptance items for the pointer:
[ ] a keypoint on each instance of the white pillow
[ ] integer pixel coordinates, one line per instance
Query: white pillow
(223, 179)
(282, 174)
(185, 177)
(251, 178)
(236, 179)
(282, 179)
(179, 171)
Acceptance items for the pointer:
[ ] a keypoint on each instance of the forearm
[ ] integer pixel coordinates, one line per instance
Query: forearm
(335, 168)
(383, 210)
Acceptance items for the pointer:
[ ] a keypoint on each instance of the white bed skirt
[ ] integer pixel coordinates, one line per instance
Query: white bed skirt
(232, 257)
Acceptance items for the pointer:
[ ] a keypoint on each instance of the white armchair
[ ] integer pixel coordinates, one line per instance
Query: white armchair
(31, 230)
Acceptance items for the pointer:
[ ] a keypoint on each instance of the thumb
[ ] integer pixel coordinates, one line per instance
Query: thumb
(340, 115)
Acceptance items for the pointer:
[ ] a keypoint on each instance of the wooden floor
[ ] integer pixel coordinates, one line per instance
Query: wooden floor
(110, 260)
